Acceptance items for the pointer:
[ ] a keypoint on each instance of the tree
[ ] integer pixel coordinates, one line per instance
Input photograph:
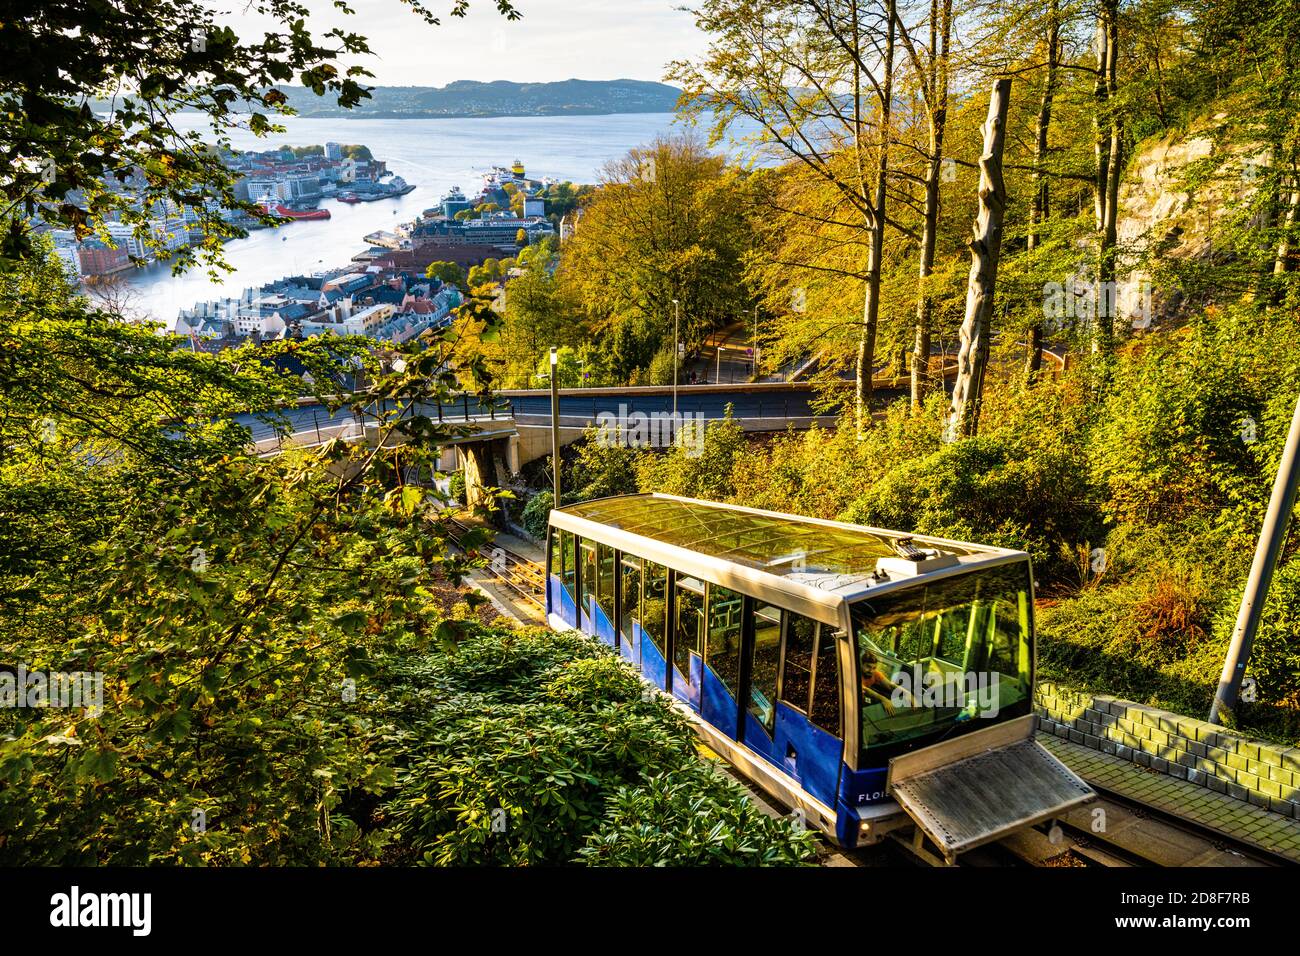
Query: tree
(224, 596)
(449, 273)
(539, 313)
(818, 77)
(668, 221)
(932, 66)
(986, 250)
(1108, 132)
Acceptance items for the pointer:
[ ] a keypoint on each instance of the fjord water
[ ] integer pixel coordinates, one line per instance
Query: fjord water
(433, 155)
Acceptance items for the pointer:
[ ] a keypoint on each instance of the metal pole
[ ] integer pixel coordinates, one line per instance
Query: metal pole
(677, 316)
(754, 352)
(717, 372)
(1272, 537)
(555, 424)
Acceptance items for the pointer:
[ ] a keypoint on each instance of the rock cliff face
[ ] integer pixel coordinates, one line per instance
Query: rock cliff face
(1178, 193)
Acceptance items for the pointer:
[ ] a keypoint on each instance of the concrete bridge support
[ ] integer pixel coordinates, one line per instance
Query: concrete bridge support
(487, 464)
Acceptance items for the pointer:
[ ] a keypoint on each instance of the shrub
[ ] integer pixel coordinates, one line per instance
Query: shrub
(537, 513)
(522, 740)
(693, 467)
(456, 486)
(992, 489)
(695, 817)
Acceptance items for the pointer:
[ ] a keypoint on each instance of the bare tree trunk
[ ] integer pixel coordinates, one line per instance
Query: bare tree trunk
(1106, 201)
(986, 249)
(1101, 135)
(866, 359)
(937, 108)
(1040, 207)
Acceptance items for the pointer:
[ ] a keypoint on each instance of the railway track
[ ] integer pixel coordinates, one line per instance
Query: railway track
(1138, 835)
(523, 578)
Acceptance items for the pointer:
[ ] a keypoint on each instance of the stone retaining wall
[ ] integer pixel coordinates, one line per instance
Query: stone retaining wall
(1267, 775)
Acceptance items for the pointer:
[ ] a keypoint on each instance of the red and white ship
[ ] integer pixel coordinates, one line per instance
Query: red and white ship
(281, 210)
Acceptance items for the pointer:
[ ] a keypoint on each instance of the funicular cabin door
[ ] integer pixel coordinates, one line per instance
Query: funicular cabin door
(720, 676)
(792, 715)
(688, 638)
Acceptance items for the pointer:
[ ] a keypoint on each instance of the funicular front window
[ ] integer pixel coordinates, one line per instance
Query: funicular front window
(938, 655)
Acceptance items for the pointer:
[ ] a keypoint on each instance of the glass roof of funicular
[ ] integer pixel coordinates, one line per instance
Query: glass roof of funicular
(776, 544)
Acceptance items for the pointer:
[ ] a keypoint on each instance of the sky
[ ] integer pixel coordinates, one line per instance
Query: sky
(555, 39)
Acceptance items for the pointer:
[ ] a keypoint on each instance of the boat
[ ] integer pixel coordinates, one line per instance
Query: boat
(302, 213)
(285, 212)
(349, 198)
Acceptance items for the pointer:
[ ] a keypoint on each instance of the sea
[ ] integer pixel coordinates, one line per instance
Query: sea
(432, 154)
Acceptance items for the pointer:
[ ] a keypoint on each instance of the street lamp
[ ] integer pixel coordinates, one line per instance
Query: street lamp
(677, 318)
(717, 375)
(754, 350)
(555, 424)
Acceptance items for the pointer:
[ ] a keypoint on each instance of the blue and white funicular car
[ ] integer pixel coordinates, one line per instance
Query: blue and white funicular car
(873, 679)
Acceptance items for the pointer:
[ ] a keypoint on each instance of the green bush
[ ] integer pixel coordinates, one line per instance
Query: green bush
(518, 743)
(694, 817)
(537, 513)
(456, 486)
(992, 489)
(696, 466)
(603, 467)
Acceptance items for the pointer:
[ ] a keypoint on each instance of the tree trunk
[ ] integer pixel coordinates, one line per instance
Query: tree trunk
(924, 300)
(937, 104)
(986, 249)
(871, 299)
(1040, 206)
(1106, 201)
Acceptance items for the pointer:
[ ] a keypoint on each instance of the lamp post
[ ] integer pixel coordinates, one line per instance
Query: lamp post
(555, 424)
(754, 350)
(677, 318)
(717, 374)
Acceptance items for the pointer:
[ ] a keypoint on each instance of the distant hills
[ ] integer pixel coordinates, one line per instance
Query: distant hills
(466, 98)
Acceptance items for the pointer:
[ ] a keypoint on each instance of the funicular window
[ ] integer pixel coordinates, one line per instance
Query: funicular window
(569, 575)
(587, 575)
(689, 620)
(722, 642)
(938, 654)
(605, 588)
(631, 594)
(654, 606)
(796, 676)
(824, 708)
(556, 553)
(767, 660)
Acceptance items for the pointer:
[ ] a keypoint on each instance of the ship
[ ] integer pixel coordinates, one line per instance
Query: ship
(284, 211)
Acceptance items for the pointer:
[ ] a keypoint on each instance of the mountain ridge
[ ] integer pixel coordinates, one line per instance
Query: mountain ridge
(478, 98)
